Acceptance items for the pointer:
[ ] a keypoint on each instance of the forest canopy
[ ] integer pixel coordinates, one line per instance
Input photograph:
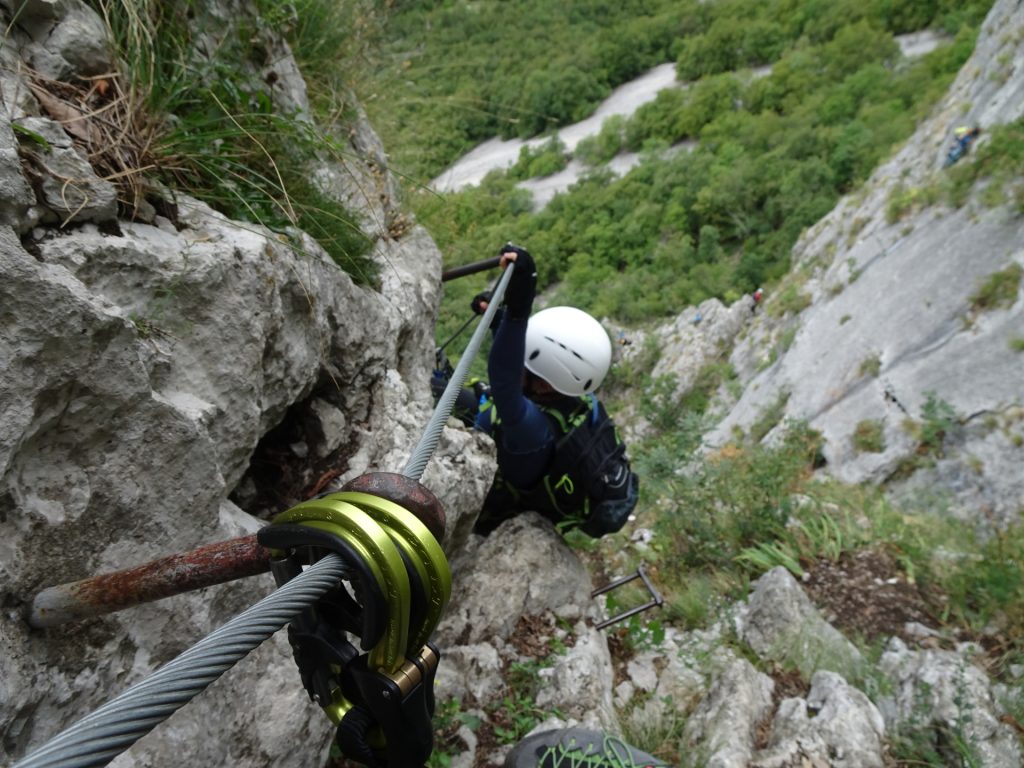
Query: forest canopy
(735, 166)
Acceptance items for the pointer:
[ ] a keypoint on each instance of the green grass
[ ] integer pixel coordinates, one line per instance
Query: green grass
(734, 514)
(216, 133)
(869, 436)
(769, 418)
(870, 366)
(999, 290)
(705, 384)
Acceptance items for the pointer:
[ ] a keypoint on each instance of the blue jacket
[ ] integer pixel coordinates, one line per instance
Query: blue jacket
(525, 441)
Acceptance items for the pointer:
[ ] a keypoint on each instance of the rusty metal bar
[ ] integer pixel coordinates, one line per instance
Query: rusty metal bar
(208, 565)
(656, 598)
(171, 575)
(470, 269)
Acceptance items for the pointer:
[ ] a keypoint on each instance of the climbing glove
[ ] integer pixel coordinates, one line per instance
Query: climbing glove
(479, 301)
(521, 288)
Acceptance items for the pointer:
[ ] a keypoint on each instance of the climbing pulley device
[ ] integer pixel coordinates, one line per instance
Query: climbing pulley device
(380, 695)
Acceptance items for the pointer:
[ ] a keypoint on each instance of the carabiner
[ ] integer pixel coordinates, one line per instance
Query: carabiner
(378, 549)
(423, 552)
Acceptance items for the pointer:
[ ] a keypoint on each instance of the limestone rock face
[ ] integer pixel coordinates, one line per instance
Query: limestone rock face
(836, 725)
(890, 320)
(724, 724)
(521, 598)
(779, 618)
(144, 366)
(945, 690)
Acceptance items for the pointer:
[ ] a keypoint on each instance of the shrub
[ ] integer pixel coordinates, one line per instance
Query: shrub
(733, 500)
(769, 418)
(868, 436)
(998, 290)
(216, 132)
(543, 160)
(789, 300)
(705, 384)
(870, 366)
(938, 420)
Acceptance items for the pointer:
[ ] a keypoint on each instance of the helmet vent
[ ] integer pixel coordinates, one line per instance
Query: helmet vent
(589, 382)
(534, 354)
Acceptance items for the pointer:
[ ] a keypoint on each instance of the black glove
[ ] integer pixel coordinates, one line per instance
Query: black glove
(484, 297)
(523, 285)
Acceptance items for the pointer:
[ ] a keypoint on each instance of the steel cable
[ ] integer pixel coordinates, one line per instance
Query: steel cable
(102, 735)
(432, 433)
(105, 733)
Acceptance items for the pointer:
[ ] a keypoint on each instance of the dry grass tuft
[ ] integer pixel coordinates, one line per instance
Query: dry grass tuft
(108, 122)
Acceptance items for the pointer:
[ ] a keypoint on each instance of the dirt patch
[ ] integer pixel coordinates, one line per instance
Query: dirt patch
(867, 594)
(531, 636)
(621, 654)
(789, 684)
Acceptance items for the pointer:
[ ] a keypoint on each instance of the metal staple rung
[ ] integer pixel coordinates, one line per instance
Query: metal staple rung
(656, 598)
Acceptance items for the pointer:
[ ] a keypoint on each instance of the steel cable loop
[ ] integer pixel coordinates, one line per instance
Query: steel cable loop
(102, 735)
(432, 432)
(105, 733)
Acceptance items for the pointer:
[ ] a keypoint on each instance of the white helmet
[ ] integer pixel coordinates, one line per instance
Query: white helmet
(568, 349)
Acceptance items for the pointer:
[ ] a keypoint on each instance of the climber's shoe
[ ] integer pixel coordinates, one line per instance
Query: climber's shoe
(577, 748)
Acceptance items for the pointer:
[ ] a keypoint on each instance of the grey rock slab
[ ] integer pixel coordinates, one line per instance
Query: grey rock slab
(469, 673)
(523, 568)
(779, 622)
(836, 725)
(80, 39)
(16, 196)
(946, 690)
(899, 292)
(579, 683)
(723, 727)
(67, 186)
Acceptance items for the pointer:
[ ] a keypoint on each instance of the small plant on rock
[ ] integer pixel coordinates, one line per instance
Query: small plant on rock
(870, 365)
(939, 420)
(999, 290)
(869, 436)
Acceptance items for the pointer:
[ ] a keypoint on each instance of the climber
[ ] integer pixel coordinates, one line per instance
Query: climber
(963, 137)
(756, 296)
(551, 431)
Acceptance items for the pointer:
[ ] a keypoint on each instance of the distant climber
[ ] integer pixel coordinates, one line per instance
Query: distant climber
(756, 296)
(963, 137)
(558, 452)
(623, 341)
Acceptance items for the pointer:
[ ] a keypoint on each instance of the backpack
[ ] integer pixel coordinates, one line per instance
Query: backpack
(589, 483)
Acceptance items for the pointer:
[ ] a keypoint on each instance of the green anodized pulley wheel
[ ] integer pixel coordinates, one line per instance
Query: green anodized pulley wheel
(423, 550)
(377, 548)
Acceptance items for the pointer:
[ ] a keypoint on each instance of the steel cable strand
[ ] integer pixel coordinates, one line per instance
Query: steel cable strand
(432, 432)
(102, 735)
